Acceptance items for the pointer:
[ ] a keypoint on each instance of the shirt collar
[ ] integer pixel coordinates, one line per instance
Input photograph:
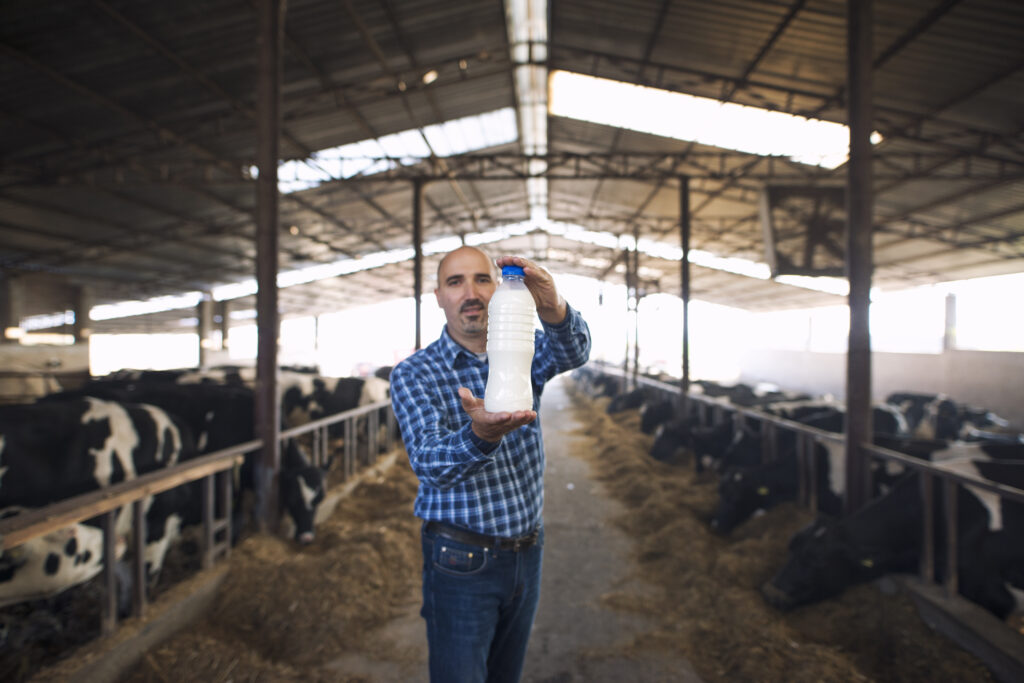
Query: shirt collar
(451, 349)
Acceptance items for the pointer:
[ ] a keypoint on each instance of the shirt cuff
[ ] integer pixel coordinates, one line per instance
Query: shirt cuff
(570, 313)
(485, 447)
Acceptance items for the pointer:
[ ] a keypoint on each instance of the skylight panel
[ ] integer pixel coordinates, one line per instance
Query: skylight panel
(699, 119)
(458, 136)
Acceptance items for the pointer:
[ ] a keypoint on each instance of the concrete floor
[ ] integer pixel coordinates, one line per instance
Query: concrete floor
(585, 556)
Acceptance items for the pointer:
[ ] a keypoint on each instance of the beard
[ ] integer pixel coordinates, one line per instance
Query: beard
(475, 322)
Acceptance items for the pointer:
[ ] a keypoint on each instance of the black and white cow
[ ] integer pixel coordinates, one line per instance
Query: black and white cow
(748, 486)
(223, 415)
(885, 536)
(53, 450)
(52, 563)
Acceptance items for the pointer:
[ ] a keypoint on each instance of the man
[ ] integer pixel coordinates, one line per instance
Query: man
(481, 474)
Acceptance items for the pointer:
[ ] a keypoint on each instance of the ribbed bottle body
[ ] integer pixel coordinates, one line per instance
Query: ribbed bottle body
(510, 332)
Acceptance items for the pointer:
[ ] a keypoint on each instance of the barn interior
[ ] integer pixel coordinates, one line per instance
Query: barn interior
(132, 134)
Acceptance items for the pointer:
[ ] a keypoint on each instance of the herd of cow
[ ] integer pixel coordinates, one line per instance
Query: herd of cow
(884, 536)
(116, 428)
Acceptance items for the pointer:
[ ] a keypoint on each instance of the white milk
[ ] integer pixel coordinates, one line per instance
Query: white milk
(510, 316)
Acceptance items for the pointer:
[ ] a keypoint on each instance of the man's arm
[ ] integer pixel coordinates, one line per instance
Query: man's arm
(443, 457)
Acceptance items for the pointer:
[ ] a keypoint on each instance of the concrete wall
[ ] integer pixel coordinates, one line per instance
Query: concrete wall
(980, 378)
(27, 372)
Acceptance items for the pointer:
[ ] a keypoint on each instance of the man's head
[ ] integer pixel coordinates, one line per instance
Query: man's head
(466, 279)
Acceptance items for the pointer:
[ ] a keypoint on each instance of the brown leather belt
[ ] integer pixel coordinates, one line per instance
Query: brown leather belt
(455, 533)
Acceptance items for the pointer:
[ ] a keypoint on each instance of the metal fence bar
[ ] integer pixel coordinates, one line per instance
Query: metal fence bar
(108, 615)
(952, 571)
(927, 570)
(139, 561)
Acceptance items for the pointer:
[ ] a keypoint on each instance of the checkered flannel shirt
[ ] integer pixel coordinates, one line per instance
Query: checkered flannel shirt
(491, 488)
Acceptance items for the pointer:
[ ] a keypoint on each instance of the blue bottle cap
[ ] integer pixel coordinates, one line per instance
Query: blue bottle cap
(512, 270)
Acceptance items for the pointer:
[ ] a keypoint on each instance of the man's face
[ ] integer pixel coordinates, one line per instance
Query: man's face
(465, 284)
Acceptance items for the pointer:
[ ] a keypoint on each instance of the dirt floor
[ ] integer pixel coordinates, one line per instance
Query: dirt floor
(344, 608)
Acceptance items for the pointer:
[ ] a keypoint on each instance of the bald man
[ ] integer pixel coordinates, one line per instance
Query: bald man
(481, 474)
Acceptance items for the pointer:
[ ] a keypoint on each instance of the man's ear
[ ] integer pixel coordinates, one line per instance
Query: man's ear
(437, 295)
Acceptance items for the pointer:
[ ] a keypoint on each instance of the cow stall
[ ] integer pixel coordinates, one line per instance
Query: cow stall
(43, 625)
(694, 592)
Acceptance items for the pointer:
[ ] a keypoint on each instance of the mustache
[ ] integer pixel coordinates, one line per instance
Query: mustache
(470, 303)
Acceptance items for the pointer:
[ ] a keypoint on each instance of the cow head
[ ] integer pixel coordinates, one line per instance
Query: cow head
(819, 567)
(302, 490)
(303, 487)
(740, 495)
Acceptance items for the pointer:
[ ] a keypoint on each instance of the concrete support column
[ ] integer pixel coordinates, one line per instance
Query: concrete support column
(204, 329)
(83, 304)
(949, 333)
(10, 311)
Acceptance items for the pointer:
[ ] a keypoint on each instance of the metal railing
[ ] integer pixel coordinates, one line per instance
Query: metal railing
(713, 410)
(216, 489)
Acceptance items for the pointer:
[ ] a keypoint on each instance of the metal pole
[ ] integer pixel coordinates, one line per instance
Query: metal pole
(268, 99)
(629, 286)
(636, 303)
(83, 303)
(417, 245)
(860, 205)
(684, 275)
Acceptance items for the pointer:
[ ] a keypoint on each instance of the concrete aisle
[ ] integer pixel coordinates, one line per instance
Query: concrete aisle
(585, 556)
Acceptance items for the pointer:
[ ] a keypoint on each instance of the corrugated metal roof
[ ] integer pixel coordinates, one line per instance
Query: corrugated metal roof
(129, 126)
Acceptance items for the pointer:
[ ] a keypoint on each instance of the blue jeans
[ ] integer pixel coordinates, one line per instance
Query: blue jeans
(479, 606)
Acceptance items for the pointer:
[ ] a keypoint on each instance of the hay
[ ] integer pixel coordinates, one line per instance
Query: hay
(287, 612)
(706, 604)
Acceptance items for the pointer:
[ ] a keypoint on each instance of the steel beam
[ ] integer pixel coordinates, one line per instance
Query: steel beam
(860, 219)
(270, 22)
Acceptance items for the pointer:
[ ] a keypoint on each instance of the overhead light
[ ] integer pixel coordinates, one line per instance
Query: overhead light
(430, 77)
(463, 64)
(14, 333)
(294, 230)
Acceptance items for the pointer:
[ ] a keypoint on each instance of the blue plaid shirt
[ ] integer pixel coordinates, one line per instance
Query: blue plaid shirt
(491, 488)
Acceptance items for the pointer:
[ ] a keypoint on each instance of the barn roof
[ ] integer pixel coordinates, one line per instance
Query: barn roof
(129, 134)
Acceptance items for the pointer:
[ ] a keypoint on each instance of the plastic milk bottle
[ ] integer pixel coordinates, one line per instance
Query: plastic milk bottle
(510, 317)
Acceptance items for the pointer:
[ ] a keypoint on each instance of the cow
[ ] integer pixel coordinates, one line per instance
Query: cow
(749, 486)
(50, 564)
(55, 449)
(595, 383)
(885, 536)
(654, 413)
(627, 401)
(929, 416)
(223, 415)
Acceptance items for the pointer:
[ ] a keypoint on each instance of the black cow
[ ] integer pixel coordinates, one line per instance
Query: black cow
(655, 413)
(627, 401)
(748, 486)
(929, 416)
(885, 536)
